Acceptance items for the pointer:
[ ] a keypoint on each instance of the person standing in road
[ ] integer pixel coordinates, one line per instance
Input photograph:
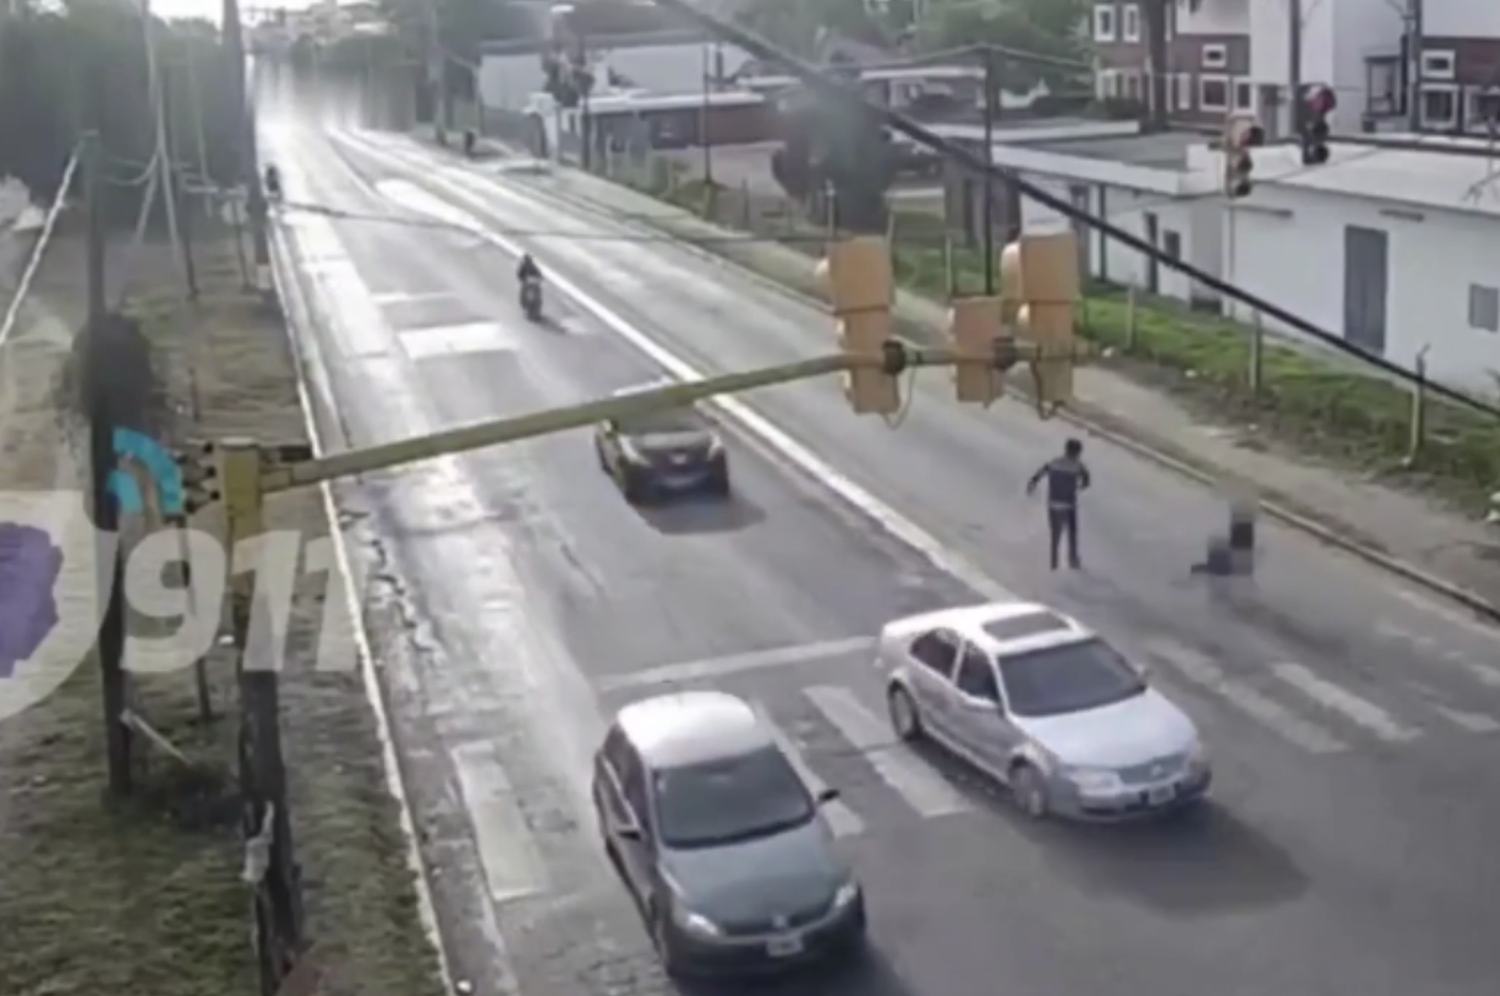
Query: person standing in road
(1067, 477)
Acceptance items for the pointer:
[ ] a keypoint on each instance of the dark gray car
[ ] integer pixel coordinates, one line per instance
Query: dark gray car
(719, 840)
(660, 453)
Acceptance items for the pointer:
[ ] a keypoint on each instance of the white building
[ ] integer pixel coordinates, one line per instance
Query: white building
(1394, 248)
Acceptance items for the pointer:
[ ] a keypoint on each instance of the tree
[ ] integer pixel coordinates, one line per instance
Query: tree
(1051, 29)
(796, 25)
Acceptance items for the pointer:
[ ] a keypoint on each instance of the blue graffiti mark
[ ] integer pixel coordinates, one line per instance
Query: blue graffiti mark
(161, 468)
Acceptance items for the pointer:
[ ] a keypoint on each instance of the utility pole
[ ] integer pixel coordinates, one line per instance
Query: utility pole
(987, 212)
(1294, 66)
(247, 158)
(1414, 30)
(705, 116)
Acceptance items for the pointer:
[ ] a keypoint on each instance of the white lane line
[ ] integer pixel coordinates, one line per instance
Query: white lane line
(1469, 722)
(507, 849)
(393, 298)
(1336, 698)
(892, 521)
(912, 779)
(720, 667)
(843, 821)
(1487, 675)
(1271, 714)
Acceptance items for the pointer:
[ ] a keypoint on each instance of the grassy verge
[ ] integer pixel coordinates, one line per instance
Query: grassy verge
(1319, 405)
(146, 896)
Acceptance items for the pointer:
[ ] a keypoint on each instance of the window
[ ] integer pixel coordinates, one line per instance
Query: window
(1213, 93)
(1244, 96)
(1438, 65)
(1130, 23)
(672, 420)
(1484, 109)
(1439, 107)
(732, 799)
(1104, 23)
(1068, 678)
(976, 676)
(1215, 57)
(1132, 86)
(1484, 308)
(633, 787)
(936, 651)
(1183, 85)
(1108, 84)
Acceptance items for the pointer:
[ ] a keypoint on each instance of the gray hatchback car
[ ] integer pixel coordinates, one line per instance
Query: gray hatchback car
(719, 840)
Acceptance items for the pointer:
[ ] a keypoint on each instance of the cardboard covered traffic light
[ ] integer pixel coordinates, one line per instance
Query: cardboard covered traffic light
(1039, 284)
(1241, 137)
(861, 288)
(979, 340)
(197, 463)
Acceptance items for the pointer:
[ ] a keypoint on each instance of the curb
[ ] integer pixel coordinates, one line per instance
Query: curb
(1097, 422)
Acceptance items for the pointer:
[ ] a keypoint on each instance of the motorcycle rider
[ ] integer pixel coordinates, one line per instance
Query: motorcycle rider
(528, 270)
(273, 182)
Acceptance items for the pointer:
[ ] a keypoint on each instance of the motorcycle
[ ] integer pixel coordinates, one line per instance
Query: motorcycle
(531, 298)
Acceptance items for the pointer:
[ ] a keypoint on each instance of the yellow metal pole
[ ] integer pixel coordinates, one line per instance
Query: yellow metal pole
(240, 473)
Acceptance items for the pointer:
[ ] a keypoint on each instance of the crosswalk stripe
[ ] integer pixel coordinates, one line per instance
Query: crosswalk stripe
(507, 850)
(842, 820)
(1359, 711)
(1280, 720)
(922, 788)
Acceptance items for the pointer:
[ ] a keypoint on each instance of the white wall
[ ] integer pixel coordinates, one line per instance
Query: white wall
(1215, 17)
(1337, 35)
(1289, 249)
(1461, 19)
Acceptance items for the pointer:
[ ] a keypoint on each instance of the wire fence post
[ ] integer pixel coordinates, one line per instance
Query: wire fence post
(1255, 376)
(1418, 421)
(1130, 318)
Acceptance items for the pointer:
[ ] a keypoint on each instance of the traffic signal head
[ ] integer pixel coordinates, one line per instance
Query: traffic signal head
(197, 463)
(1319, 103)
(1039, 278)
(1241, 138)
(980, 344)
(861, 287)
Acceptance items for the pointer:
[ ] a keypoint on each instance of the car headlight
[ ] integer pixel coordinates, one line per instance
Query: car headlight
(695, 923)
(1092, 779)
(846, 894)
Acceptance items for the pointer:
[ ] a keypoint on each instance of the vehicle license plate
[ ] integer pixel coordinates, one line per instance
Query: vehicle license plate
(1160, 795)
(784, 947)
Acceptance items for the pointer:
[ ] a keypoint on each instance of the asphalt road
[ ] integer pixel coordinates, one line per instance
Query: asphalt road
(1353, 721)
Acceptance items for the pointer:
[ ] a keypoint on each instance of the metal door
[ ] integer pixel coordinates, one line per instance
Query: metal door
(1366, 284)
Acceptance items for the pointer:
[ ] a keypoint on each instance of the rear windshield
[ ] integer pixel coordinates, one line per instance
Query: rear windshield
(660, 423)
(1069, 678)
(734, 799)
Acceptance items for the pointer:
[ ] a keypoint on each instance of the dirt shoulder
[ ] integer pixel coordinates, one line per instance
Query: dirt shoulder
(146, 896)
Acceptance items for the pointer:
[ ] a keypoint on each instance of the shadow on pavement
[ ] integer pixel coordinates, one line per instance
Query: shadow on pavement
(689, 514)
(1186, 863)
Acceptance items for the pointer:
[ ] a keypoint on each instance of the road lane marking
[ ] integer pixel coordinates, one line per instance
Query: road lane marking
(1336, 698)
(436, 341)
(1469, 722)
(720, 667)
(893, 522)
(911, 778)
(393, 298)
(507, 850)
(843, 821)
(1202, 672)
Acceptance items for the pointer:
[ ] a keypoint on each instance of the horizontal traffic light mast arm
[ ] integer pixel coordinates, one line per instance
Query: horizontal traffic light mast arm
(898, 356)
(760, 48)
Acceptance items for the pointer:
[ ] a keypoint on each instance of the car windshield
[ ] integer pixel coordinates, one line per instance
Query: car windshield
(1069, 678)
(734, 799)
(660, 423)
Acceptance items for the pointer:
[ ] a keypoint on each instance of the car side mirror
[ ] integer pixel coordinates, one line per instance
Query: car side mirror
(827, 795)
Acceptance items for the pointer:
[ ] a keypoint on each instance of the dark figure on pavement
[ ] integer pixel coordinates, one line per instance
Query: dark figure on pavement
(528, 270)
(1067, 477)
(273, 183)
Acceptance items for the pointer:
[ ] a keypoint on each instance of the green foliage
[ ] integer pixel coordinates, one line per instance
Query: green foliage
(84, 67)
(795, 24)
(1048, 28)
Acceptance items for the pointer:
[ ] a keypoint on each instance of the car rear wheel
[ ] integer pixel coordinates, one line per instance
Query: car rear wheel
(905, 720)
(1029, 790)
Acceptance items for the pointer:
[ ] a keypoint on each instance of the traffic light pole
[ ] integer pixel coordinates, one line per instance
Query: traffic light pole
(1294, 65)
(991, 107)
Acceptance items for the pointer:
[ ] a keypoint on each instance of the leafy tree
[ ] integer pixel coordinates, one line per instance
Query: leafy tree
(796, 25)
(83, 66)
(1051, 29)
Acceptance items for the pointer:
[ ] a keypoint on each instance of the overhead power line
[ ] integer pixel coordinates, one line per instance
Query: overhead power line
(826, 85)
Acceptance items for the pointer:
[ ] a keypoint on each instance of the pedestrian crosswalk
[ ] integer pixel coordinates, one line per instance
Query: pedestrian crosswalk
(827, 728)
